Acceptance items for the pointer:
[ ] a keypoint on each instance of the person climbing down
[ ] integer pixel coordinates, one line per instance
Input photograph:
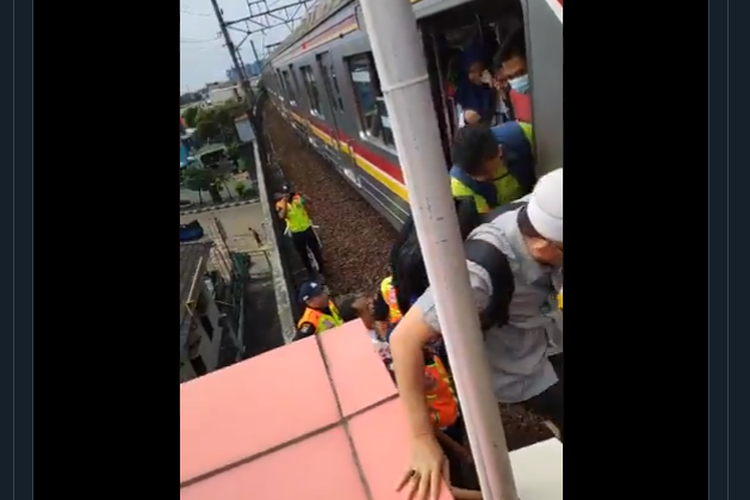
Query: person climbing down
(320, 313)
(291, 207)
(480, 170)
(514, 262)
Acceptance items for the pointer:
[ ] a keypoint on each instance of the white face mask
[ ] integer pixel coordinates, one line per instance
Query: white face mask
(520, 84)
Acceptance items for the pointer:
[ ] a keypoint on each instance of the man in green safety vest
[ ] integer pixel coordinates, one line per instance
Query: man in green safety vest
(291, 207)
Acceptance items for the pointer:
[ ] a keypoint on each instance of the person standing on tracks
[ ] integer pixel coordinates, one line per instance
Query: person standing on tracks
(291, 207)
(514, 261)
(320, 313)
(480, 169)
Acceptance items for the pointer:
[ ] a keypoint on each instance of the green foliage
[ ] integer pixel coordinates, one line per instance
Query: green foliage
(198, 179)
(216, 124)
(240, 188)
(190, 115)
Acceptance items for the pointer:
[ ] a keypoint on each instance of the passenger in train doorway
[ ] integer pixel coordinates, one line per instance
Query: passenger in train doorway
(320, 313)
(474, 95)
(480, 167)
(291, 207)
(514, 263)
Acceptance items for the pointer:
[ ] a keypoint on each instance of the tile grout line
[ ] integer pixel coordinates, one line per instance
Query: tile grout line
(343, 421)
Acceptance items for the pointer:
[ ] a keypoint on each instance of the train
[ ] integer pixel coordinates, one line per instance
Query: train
(323, 80)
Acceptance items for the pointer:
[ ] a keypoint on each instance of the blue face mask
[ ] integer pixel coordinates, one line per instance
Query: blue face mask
(520, 84)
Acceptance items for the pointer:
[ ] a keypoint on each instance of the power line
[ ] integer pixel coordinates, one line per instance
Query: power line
(189, 40)
(190, 13)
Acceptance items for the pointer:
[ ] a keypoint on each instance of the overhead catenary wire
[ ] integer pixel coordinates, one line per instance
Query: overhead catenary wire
(192, 40)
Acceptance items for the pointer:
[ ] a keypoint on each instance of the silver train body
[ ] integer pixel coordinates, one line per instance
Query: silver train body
(323, 80)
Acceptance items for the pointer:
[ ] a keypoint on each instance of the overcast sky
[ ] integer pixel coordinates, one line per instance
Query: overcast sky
(203, 57)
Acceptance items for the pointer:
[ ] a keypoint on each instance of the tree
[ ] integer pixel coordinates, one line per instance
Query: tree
(190, 116)
(204, 179)
(216, 124)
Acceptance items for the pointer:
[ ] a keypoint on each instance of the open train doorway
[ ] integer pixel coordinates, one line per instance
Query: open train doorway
(457, 38)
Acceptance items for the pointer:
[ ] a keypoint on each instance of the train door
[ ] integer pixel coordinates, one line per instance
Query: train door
(346, 161)
(325, 66)
(544, 42)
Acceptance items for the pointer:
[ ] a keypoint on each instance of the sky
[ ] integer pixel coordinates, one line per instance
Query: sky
(203, 57)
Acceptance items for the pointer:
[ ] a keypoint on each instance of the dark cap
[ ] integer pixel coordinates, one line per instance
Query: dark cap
(309, 290)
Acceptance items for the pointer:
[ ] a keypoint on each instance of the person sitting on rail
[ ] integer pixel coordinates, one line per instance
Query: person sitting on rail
(320, 313)
(292, 208)
(474, 96)
(480, 170)
(513, 262)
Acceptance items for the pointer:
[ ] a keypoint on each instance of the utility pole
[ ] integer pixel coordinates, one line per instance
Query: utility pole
(235, 59)
(255, 53)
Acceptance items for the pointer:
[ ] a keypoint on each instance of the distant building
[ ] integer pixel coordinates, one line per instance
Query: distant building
(251, 70)
(202, 324)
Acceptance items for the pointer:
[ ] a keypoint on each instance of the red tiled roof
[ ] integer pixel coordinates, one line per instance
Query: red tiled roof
(317, 419)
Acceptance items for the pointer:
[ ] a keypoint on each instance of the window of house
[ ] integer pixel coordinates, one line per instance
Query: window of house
(288, 88)
(311, 89)
(373, 115)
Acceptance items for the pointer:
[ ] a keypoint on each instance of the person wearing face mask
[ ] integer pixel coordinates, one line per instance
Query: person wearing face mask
(480, 169)
(514, 261)
(510, 62)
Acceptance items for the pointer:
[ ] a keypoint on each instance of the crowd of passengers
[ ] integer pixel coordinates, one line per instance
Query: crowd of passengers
(512, 225)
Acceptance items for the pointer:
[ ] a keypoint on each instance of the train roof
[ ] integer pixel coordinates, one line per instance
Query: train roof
(321, 11)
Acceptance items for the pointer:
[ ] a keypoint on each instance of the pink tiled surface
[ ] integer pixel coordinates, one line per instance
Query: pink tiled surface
(357, 371)
(252, 406)
(320, 468)
(381, 439)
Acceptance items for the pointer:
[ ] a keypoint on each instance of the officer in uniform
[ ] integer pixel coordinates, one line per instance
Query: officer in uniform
(481, 169)
(291, 208)
(514, 261)
(320, 314)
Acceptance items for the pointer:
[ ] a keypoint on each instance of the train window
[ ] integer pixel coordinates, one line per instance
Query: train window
(280, 85)
(373, 114)
(287, 84)
(312, 89)
(295, 81)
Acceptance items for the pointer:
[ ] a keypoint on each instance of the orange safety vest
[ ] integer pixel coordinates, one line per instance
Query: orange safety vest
(389, 295)
(320, 320)
(439, 393)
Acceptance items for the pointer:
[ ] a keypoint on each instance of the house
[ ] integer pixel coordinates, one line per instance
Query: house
(202, 324)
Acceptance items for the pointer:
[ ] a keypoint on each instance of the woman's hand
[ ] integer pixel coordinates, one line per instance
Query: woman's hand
(426, 470)
(471, 116)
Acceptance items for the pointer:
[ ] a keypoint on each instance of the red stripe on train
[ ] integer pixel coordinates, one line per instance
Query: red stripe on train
(386, 166)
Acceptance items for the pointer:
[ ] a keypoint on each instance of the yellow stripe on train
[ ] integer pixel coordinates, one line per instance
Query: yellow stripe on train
(392, 184)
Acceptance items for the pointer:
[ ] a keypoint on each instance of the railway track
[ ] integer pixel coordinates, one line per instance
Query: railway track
(357, 240)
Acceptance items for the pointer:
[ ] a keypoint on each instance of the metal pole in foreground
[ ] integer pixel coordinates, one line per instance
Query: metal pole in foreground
(397, 48)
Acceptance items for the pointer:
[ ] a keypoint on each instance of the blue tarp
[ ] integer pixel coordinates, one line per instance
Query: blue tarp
(183, 155)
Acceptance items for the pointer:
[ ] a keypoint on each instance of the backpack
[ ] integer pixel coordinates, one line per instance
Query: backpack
(407, 265)
(410, 275)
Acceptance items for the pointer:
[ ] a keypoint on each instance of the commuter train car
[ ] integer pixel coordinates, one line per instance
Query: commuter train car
(323, 80)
